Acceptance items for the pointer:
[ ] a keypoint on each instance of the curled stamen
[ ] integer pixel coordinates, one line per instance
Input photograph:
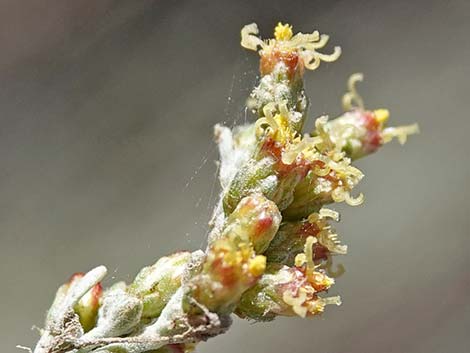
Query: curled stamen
(305, 40)
(400, 132)
(354, 201)
(324, 38)
(250, 39)
(322, 171)
(312, 59)
(306, 147)
(331, 242)
(344, 168)
(352, 99)
(340, 270)
(264, 124)
(327, 213)
(269, 109)
(338, 194)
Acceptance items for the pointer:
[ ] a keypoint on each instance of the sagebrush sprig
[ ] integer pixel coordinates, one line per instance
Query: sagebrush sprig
(271, 242)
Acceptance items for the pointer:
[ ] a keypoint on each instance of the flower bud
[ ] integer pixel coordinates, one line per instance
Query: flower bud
(269, 176)
(232, 264)
(86, 308)
(119, 314)
(229, 270)
(155, 284)
(253, 176)
(257, 219)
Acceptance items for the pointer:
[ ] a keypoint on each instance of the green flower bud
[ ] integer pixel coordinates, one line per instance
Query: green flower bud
(86, 308)
(119, 314)
(253, 176)
(155, 284)
(255, 219)
(232, 264)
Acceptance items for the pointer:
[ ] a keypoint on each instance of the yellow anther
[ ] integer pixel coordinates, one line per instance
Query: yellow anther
(381, 115)
(257, 265)
(283, 31)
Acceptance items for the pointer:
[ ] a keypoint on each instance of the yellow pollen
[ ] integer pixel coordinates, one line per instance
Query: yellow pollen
(381, 115)
(283, 31)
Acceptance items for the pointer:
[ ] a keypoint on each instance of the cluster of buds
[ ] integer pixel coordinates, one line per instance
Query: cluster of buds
(271, 243)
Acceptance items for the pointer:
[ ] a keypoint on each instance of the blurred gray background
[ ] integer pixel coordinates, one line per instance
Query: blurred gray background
(106, 157)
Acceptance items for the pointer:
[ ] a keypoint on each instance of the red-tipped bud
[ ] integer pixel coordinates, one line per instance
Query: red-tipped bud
(87, 307)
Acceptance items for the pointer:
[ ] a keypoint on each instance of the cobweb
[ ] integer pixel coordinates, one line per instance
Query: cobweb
(235, 113)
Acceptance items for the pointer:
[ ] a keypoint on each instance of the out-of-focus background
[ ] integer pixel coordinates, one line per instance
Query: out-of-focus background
(106, 157)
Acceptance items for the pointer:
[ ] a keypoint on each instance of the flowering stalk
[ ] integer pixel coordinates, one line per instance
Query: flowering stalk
(271, 243)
